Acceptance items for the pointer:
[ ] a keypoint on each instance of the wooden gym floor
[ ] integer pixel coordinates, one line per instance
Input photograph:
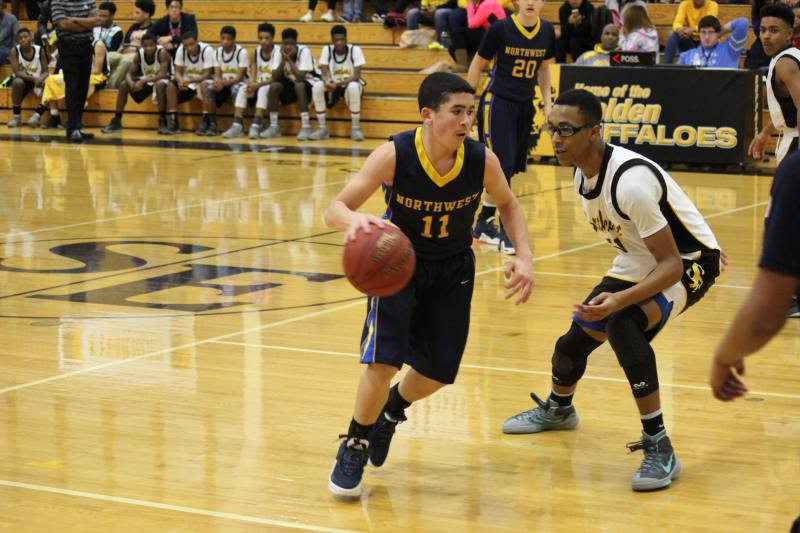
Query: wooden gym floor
(178, 354)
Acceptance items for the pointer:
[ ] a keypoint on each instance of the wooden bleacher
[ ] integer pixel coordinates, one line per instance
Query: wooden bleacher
(391, 73)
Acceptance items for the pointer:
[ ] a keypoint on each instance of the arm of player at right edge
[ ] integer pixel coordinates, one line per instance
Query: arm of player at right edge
(518, 271)
(342, 213)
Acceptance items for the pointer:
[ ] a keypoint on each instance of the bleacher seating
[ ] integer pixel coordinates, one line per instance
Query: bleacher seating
(391, 73)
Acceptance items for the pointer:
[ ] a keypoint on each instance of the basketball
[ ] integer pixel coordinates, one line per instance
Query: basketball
(379, 263)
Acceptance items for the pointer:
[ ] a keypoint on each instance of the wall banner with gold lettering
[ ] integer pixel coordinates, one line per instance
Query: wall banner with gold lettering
(670, 114)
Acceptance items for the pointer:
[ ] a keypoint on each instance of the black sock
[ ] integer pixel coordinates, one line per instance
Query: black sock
(237, 120)
(17, 109)
(40, 109)
(487, 212)
(396, 404)
(359, 431)
(654, 423)
(257, 120)
(562, 400)
(118, 116)
(162, 114)
(212, 119)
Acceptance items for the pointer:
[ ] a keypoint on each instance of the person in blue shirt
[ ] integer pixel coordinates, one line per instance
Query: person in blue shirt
(715, 53)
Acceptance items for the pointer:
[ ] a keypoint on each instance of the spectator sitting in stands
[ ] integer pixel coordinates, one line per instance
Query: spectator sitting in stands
(352, 10)
(108, 32)
(465, 40)
(684, 35)
(329, 16)
(266, 57)
(600, 56)
(30, 71)
(230, 70)
(9, 26)
(434, 13)
(171, 28)
(151, 68)
(55, 89)
(44, 27)
(142, 16)
(291, 82)
(341, 76)
(31, 6)
(576, 29)
(638, 33)
(194, 64)
(715, 53)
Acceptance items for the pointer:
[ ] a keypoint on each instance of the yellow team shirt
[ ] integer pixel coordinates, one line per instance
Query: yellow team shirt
(690, 16)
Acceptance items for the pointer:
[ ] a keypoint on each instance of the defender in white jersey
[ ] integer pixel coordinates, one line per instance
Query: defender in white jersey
(194, 64)
(667, 259)
(340, 64)
(783, 81)
(291, 82)
(149, 74)
(29, 64)
(266, 58)
(230, 73)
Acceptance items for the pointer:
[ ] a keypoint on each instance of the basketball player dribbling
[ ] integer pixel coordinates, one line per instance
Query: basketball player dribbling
(432, 178)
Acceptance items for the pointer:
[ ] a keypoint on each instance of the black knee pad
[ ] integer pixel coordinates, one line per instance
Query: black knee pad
(570, 355)
(626, 334)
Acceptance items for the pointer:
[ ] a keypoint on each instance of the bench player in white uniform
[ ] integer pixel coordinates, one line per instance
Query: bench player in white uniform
(194, 64)
(30, 71)
(266, 57)
(149, 73)
(340, 64)
(230, 73)
(667, 260)
(783, 81)
(291, 82)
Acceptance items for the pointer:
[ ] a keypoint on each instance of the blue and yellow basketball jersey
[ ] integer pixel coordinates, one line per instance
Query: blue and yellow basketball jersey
(516, 54)
(434, 211)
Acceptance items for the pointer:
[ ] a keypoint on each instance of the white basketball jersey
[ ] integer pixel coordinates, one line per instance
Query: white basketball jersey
(631, 199)
(342, 67)
(152, 69)
(34, 66)
(305, 62)
(264, 67)
(779, 108)
(229, 64)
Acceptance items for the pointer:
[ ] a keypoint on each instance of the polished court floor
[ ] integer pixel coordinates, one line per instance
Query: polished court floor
(177, 353)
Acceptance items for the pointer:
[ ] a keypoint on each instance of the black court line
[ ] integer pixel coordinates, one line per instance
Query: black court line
(233, 147)
(144, 269)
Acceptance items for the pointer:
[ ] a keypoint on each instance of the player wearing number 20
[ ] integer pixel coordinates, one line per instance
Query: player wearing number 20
(521, 49)
(432, 178)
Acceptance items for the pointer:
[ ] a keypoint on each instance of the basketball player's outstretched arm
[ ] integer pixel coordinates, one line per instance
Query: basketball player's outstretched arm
(342, 214)
(518, 271)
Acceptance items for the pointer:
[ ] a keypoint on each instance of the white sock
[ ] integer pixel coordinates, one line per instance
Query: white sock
(321, 119)
(356, 118)
(54, 112)
(305, 120)
(273, 119)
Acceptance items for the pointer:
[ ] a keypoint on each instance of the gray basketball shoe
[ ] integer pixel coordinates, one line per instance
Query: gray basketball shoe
(660, 464)
(546, 416)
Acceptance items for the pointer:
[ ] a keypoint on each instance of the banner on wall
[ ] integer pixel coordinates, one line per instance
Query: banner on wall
(667, 114)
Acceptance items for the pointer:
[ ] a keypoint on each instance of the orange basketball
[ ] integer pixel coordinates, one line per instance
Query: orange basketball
(379, 263)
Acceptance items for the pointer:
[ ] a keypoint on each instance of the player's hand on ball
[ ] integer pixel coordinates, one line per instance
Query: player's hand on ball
(598, 308)
(362, 222)
(519, 279)
(726, 385)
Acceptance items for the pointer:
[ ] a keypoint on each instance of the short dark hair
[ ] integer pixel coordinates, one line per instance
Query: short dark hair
(289, 33)
(111, 7)
(779, 11)
(168, 2)
(266, 27)
(149, 37)
(338, 30)
(436, 89)
(21, 30)
(588, 105)
(189, 35)
(228, 30)
(710, 21)
(148, 6)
